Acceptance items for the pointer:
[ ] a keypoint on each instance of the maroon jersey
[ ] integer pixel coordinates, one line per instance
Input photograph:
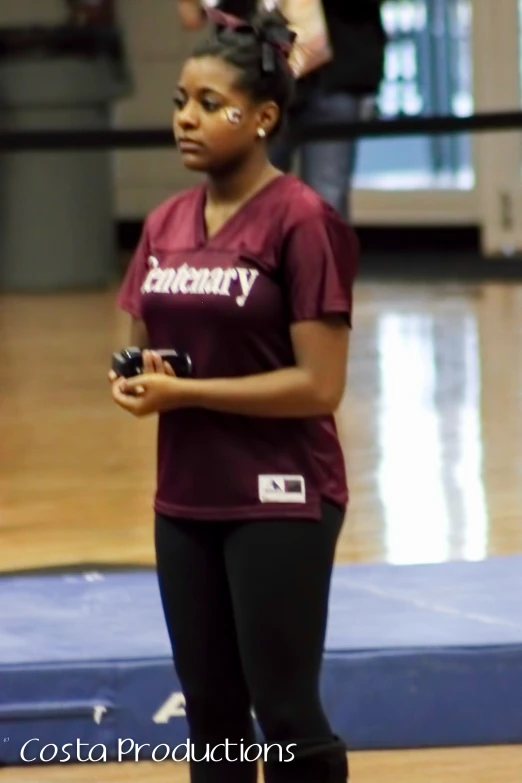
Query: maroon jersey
(229, 301)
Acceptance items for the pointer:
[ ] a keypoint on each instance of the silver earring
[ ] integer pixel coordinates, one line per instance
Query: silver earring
(261, 133)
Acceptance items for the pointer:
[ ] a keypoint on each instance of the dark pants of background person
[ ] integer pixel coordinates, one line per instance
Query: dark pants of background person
(326, 166)
(246, 608)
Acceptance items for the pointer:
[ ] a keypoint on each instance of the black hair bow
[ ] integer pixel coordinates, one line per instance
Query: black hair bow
(273, 42)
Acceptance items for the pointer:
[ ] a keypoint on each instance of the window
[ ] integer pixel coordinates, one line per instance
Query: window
(428, 70)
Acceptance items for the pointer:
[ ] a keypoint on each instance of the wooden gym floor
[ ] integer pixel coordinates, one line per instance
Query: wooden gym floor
(432, 431)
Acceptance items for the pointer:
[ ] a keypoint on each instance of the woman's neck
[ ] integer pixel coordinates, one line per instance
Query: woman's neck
(239, 185)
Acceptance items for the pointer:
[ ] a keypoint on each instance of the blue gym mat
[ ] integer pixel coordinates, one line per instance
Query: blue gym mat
(416, 656)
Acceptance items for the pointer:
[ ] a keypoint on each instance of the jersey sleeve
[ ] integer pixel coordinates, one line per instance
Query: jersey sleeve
(320, 264)
(129, 295)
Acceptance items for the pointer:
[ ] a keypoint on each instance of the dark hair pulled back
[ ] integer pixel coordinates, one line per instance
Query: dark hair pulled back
(258, 47)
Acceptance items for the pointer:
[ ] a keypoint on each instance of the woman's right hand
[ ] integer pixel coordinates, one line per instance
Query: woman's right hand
(152, 363)
(191, 14)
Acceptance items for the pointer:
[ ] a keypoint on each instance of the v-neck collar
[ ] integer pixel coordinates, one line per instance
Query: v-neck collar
(235, 219)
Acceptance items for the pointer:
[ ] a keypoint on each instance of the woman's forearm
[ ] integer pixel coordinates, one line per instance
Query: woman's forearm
(138, 333)
(282, 393)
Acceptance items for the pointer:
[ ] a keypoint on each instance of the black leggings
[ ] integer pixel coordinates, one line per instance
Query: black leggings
(246, 608)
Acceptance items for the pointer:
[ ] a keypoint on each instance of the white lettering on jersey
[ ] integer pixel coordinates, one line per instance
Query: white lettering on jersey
(187, 280)
(247, 278)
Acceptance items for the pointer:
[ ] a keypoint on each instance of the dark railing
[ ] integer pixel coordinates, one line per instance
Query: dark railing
(23, 141)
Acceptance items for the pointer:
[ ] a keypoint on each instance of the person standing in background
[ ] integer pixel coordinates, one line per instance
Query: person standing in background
(192, 12)
(334, 93)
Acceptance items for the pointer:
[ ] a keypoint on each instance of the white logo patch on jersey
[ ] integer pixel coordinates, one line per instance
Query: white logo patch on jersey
(282, 489)
(202, 282)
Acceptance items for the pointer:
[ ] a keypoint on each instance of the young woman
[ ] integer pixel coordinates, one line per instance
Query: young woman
(251, 273)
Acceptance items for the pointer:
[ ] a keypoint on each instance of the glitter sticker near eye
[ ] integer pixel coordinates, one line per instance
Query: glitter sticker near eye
(233, 115)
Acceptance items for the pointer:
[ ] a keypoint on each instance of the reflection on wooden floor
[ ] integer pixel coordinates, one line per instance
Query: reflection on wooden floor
(431, 427)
